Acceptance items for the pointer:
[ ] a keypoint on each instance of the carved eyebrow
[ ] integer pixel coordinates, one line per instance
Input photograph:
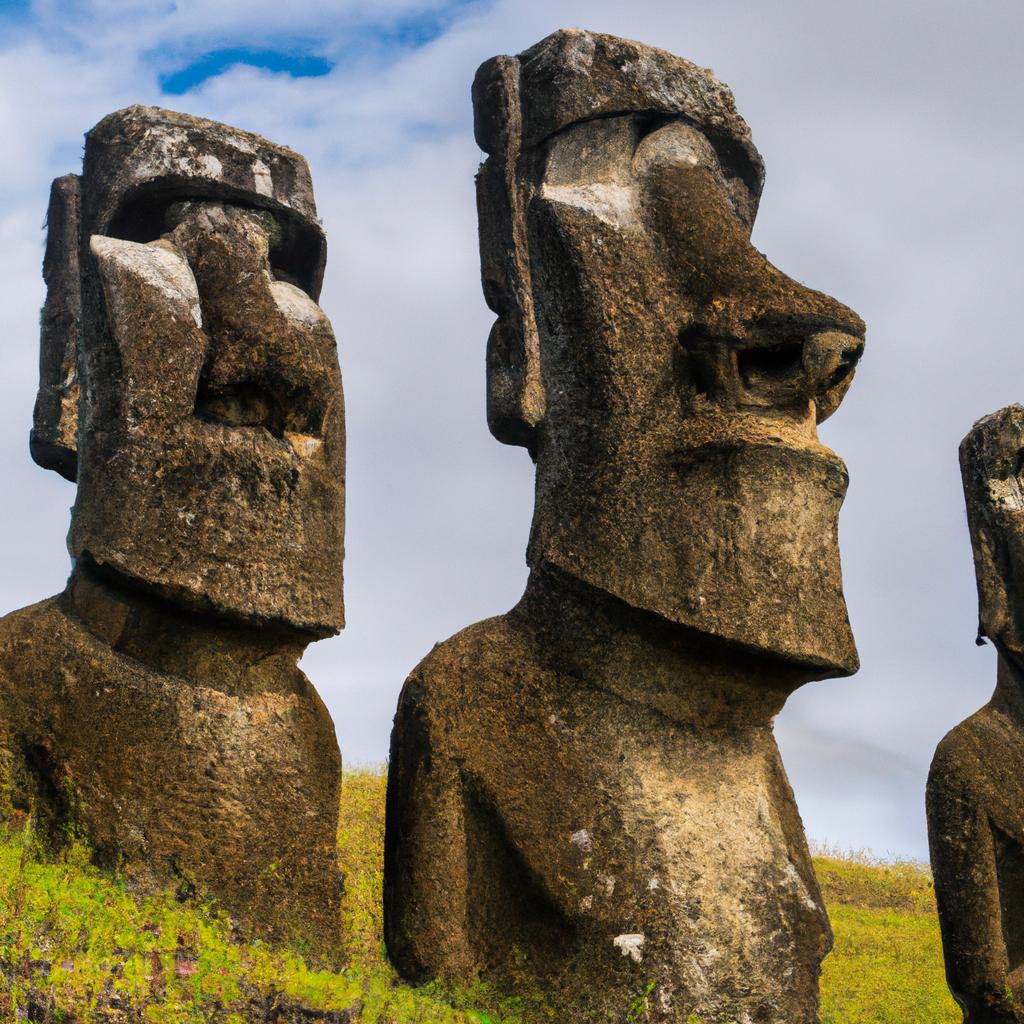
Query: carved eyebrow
(657, 117)
(731, 156)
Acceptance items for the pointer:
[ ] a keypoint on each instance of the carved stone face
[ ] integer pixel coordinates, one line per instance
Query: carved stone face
(992, 464)
(210, 438)
(680, 375)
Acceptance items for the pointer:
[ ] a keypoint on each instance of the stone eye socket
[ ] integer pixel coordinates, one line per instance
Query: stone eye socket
(723, 155)
(296, 246)
(649, 122)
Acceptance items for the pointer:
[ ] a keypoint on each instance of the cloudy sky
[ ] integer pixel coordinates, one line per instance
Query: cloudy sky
(894, 143)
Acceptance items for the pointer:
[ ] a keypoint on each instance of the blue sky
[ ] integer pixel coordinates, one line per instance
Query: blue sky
(298, 62)
(307, 57)
(892, 138)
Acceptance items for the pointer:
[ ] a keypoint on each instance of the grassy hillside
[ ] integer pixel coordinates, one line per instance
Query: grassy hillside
(76, 946)
(886, 965)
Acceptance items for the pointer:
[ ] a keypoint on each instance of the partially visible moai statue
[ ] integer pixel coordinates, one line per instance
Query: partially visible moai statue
(585, 797)
(190, 384)
(976, 783)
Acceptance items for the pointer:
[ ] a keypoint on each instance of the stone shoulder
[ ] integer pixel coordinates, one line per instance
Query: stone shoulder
(965, 755)
(29, 632)
(468, 665)
(29, 670)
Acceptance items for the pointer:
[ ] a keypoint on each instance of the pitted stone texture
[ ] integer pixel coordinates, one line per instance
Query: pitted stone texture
(636, 320)
(217, 774)
(598, 766)
(218, 419)
(548, 832)
(54, 438)
(574, 76)
(190, 381)
(141, 159)
(975, 797)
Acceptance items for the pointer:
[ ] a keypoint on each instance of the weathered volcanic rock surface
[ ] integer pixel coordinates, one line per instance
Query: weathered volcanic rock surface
(585, 796)
(975, 796)
(190, 384)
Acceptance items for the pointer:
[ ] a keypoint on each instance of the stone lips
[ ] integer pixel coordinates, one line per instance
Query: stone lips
(217, 415)
(678, 465)
(765, 583)
(141, 163)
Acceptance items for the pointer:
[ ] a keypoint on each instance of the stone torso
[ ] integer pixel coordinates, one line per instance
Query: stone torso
(190, 386)
(976, 830)
(158, 771)
(603, 840)
(989, 747)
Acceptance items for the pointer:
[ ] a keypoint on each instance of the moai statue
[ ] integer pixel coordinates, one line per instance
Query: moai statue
(976, 784)
(190, 384)
(585, 796)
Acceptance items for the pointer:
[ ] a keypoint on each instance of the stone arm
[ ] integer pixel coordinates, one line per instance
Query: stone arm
(426, 875)
(967, 890)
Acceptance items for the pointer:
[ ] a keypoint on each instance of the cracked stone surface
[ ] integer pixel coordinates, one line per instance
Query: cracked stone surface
(585, 795)
(190, 384)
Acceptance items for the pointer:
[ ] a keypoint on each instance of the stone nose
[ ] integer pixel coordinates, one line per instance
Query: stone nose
(773, 364)
(271, 349)
(760, 340)
(830, 360)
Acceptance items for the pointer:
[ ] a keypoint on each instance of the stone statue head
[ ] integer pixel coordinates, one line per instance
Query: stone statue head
(992, 465)
(189, 379)
(666, 378)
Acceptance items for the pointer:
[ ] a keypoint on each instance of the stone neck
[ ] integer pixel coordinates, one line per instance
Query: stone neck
(596, 639)
(208, 651)
(1009, 694)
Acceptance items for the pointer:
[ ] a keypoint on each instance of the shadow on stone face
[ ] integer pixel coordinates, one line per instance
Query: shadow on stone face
(585, 796)
(975, 796)
(190, 384)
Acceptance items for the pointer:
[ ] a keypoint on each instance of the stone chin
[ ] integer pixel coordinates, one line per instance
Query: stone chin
(241, 525)
(734, 541)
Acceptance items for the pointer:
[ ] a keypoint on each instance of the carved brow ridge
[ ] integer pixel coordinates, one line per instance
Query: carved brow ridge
(730, 154)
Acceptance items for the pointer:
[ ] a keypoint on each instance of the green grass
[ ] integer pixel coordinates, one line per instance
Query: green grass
(78, 946)
(886, 966)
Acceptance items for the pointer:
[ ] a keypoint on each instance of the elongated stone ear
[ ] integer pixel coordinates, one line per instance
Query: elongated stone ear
(515, 392)
(54, 438)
